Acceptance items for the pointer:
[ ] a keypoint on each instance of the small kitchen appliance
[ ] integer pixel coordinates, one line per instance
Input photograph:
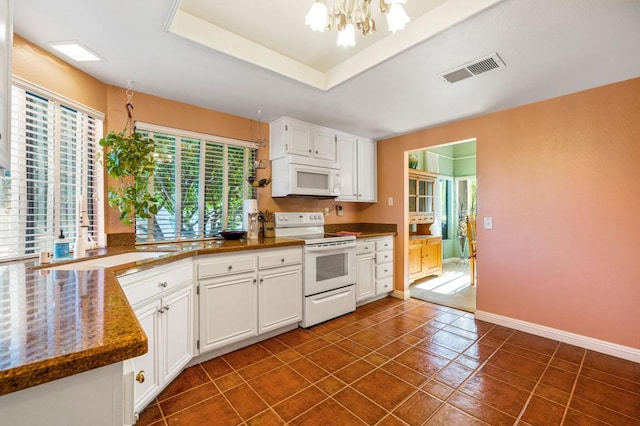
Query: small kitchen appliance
(250, 219)
(329, 266)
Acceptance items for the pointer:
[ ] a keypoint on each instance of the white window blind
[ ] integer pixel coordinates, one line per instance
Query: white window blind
(200, 182)
(53, 161)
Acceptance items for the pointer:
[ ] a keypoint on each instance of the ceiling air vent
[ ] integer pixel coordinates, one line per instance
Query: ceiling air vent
(476, 67)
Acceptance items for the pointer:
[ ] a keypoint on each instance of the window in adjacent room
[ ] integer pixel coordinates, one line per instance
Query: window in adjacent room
(200, 182)
(53, 161)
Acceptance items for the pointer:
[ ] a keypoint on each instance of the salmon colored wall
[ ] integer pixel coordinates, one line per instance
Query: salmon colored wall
(165, 112)
(45, 70)
(560, 179)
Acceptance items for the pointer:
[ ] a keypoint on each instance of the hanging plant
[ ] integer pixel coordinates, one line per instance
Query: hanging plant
(129, 158)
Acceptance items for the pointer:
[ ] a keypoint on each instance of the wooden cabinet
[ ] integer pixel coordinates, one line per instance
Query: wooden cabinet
(243, 295)
(294, 137)
(162, 299)
(425, 257)
(357, 158)
(421, 197)
(6, 37)
(433, 256)
(417, 252)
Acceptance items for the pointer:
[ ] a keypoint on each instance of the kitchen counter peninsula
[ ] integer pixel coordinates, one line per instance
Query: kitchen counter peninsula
(57, 323)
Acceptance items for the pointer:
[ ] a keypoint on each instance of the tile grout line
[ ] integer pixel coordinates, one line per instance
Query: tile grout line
(446, 401)
(573, 388)
(531, 394)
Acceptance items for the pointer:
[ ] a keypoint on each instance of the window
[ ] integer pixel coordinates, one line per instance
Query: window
(445, 190)
(200, 182)
(53, 161)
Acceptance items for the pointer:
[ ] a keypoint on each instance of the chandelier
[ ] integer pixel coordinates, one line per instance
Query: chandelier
(347, 15)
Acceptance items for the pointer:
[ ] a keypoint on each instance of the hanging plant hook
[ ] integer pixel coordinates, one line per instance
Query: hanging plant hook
(129, 106)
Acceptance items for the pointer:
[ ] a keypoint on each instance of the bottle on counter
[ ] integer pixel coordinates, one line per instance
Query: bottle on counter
(61, 247)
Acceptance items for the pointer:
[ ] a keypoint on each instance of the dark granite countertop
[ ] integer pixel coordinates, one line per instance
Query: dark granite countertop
(364, 230)
(55, 323)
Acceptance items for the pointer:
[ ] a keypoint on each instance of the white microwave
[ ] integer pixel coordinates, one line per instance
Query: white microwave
(291, 178)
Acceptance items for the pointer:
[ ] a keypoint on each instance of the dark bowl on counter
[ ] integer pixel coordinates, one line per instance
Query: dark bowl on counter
(232, 235)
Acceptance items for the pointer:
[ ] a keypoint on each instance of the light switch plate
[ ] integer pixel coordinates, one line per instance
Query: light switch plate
(488, 222)
(390, 201)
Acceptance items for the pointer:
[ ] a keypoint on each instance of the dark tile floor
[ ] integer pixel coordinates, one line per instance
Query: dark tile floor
(396, 362)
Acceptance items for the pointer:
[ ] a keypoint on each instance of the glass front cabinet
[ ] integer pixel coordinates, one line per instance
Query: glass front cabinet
(421, 196)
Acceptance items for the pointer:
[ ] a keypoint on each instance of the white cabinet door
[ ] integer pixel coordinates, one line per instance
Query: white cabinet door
(367, 166)
(365, 276)
(146, 367)
(298, 137)
(280, 298)
(347, 157)
(228, 310)
(324, 144)
(177, 331)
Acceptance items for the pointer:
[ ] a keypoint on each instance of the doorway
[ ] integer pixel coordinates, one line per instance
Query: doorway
(454, 168)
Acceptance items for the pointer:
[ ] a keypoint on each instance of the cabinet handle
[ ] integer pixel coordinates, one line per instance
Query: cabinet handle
(359, 195)
(310, 151)
(140, 376)
(286, 147)
(255, 280)
(282, 260)
(163, 284)
(261, 280)
(316, 152)
(230, 267)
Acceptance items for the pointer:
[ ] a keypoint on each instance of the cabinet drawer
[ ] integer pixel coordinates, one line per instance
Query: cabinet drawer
(225, 266)
(384, 271)
(384, 286)
(274, 259)
(384, 257)
(148, 284)
(386, 244)
(363, 247)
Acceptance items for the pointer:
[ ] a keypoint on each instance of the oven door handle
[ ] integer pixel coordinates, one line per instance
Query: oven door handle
(320, 249)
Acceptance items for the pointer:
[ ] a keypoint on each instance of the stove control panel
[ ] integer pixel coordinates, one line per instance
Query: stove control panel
(298, 219)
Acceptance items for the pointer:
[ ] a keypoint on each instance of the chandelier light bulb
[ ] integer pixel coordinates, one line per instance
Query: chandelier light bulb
(317, 16)
(397, 18)
(347, 15)
(347, 37)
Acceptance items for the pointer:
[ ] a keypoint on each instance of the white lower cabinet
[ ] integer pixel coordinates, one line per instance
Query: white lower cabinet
(280, 298)
(244, 295)
(365, 270)
(374, 273)
(162, 299)
(228, 308)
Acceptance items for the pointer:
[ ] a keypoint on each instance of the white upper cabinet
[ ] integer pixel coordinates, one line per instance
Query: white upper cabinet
(293, 137)
(358, 166)
(348, 157)
(6, 37)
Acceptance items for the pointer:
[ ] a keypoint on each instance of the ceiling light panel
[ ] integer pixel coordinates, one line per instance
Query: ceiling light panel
(75, 51)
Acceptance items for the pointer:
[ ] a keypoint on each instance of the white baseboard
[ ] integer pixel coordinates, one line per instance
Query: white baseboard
(450, 260)
(613, 349)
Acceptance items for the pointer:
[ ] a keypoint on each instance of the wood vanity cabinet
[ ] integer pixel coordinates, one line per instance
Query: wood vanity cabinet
(425, 257)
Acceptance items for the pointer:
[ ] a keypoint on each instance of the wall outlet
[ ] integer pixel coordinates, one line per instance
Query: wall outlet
(326, 211)
(390, 201)
(339, 210)
(488, 222)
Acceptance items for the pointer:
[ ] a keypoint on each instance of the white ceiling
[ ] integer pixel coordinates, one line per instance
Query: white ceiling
(550, 48)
